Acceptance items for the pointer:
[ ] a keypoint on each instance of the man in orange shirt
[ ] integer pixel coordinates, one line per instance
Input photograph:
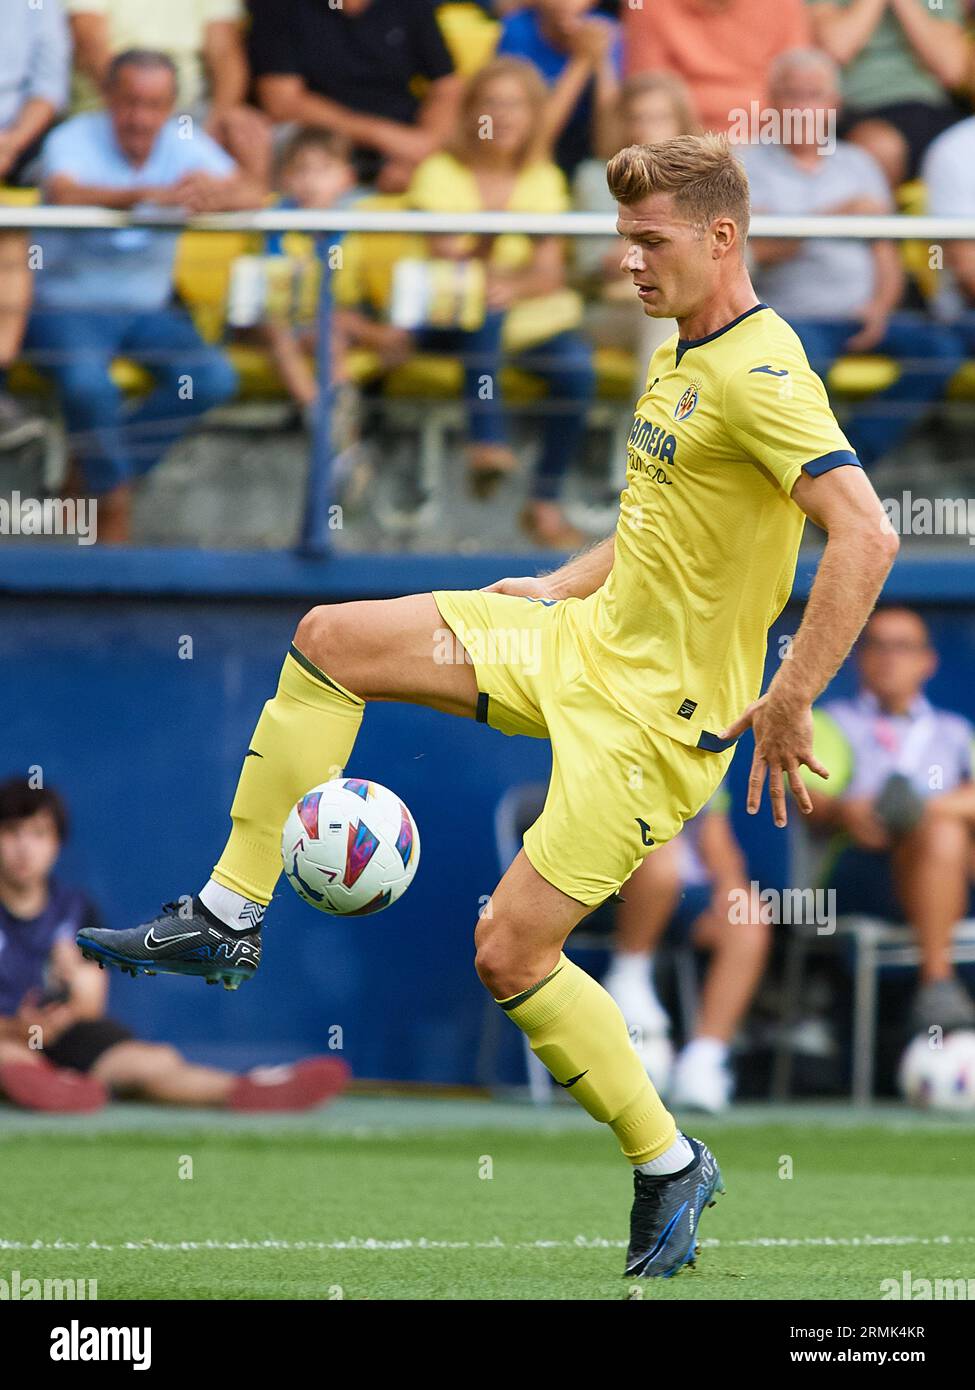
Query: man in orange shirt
(721, 48)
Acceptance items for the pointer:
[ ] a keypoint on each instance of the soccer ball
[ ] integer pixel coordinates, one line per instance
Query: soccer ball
(940, 1078)
(350, 847)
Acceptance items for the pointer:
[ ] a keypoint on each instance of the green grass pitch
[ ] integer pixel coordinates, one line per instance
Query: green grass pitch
(408, 1199)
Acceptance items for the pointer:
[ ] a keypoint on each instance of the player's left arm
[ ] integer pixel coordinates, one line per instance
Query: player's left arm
(860, 549)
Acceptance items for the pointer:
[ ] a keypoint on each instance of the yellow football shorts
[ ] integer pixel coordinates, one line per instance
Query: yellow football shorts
(619, 789)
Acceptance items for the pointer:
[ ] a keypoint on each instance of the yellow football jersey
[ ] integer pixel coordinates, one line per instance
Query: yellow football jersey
(708, 534)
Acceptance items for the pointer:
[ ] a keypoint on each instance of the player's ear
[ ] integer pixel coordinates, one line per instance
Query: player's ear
(724, 235)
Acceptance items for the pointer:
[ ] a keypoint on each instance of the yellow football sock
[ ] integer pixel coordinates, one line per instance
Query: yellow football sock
(578, 1033)
(303, 737)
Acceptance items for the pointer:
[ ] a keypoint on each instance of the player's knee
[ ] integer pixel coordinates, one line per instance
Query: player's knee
(318, 635)
(504, 961)
(336, 638)
(493, 965)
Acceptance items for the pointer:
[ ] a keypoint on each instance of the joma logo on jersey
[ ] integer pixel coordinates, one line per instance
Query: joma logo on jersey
(652, 442)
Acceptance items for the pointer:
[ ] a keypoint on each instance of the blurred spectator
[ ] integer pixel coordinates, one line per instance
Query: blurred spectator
(721, 48)
(314, 170)
(205, 40)
(901, 801)
(33, 89)
(694, 890)
(949, 175)
(353, 69)
(501, 8)
(580, 57)
(899, 60)
(529, 310)
(651, 108)
(841, 296)
(58, 1048)
(108, 294)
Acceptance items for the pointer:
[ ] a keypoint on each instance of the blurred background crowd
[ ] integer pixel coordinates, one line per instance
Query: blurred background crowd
(114, 343)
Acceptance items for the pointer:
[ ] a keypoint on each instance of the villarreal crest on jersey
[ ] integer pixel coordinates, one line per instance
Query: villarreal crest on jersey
(708, 533)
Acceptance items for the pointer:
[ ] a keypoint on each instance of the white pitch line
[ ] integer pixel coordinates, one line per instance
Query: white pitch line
(370, 1243)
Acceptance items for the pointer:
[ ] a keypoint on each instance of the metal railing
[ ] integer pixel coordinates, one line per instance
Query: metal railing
(315, 533)
(895, 227)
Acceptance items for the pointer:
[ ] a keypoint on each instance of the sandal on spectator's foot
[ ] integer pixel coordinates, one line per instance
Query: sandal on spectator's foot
(487, 466)
(548, 526)
(38, 1085)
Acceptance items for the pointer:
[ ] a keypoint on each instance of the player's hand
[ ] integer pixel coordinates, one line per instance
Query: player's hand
(783, 743)
(528, 587)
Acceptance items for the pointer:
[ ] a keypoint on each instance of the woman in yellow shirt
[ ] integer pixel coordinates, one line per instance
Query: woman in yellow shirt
(499, 161)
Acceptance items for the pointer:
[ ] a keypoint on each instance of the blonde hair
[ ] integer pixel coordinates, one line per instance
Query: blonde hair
(466, 141)
(701, 171)
(681, 100)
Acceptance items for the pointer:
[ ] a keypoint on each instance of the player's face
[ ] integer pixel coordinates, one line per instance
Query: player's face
(668, 258)
(896, 658)
(28, 850)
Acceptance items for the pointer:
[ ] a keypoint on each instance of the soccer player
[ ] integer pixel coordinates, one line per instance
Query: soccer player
(646, 660)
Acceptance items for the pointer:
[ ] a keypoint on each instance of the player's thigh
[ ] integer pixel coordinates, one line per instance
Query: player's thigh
(619, 791)
(522, 928)
(389, 649)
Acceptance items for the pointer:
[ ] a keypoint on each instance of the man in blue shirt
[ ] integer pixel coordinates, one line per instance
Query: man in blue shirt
(34, 62)
(106, 294)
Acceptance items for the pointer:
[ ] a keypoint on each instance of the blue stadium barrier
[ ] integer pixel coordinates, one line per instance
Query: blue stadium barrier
(147, 747)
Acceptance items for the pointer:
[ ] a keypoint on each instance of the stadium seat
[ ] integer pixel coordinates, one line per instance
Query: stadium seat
(912, 200)
(875, 943)
(19, 197)
(202, 275)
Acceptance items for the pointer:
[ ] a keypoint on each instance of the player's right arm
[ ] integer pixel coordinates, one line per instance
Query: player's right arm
(578, 578)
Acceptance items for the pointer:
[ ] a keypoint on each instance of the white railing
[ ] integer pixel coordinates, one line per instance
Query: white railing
(892, 228)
